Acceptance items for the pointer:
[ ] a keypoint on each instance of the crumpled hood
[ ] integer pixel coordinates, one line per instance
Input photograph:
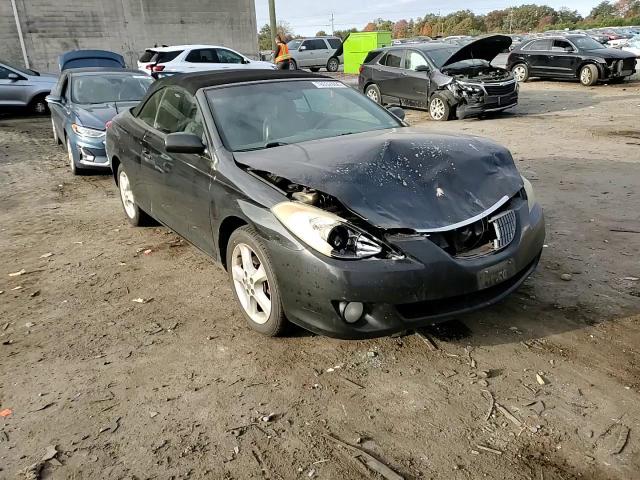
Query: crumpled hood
(486, 48)
(612, 53)
(402, 178)
(97, 115)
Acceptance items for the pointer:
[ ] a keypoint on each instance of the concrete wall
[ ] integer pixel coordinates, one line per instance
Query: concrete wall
(51, 27)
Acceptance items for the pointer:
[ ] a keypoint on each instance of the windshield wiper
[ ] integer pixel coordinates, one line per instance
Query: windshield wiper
(274, 144)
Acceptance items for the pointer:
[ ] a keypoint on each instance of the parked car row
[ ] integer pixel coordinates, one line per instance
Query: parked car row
(325, 208)
(452, 81)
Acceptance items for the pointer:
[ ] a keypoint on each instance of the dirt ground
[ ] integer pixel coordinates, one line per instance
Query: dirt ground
(179, 387)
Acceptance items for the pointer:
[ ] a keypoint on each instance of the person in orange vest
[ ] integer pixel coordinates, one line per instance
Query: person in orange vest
(282, 54)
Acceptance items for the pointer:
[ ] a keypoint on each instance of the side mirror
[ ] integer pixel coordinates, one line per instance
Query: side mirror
(13, 77)
(303, 47)
(53, 99)
(245, 61)
(397, 111)
(183, 143)
(422, 68)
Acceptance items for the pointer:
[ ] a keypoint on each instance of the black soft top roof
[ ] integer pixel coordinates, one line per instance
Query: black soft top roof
(192, 82)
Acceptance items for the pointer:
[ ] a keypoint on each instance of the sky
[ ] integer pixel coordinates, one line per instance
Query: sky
(306, 17)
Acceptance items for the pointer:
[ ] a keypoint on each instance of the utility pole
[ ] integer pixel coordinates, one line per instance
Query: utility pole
(273, 24)
(510, 20)
(333, 31)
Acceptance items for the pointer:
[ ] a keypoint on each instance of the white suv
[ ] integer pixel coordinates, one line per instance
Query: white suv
(196, 58)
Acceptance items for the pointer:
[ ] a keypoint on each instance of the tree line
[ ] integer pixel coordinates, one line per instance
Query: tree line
(522, 19)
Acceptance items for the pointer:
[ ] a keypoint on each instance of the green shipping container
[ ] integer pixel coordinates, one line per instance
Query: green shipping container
(357, 45)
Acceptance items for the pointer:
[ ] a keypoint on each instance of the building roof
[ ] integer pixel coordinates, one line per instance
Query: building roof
(192, 82)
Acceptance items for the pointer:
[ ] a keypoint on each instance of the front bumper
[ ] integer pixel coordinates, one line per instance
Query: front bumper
(487, 104)
(426, 287)
(90, 153)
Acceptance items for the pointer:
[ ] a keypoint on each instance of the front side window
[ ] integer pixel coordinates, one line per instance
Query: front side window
(252, 117)
(227, 56)
(393, 59)
(109, 87)
(413, 60)
(561, 46)
(178, 112)
(149, 110)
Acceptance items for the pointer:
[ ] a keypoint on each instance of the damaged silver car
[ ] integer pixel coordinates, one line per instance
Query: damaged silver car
(325, 208)
(448, 80)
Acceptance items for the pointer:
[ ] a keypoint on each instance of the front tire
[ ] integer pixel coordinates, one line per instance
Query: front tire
(72, 163)
(133, 213)
(38, 106)
(520, 72)
(293, 65)
(56, 139)
(439, 108)
(589, 75)
(254, 283)
(333, 64)
(373, 92)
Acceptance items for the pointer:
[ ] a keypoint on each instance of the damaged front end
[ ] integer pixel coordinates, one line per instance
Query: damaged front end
(477, 91)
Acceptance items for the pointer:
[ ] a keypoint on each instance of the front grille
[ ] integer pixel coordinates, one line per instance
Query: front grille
(629, 64)
(505, 227)
(498, 90)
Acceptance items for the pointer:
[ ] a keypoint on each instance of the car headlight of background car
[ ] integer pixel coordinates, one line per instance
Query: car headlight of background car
(326, 232)
(86, 131)
(531, 195)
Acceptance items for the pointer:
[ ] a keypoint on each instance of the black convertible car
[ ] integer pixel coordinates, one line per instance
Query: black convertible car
(449, 80)
(325, 208)
(570, 56)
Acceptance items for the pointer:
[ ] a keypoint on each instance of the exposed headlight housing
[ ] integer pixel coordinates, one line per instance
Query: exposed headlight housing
(326, 232)
(531, 195)
(86, 131)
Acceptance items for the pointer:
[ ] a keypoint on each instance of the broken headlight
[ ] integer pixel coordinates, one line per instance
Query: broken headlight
(459, 88)
(531, 195)
(325, 232)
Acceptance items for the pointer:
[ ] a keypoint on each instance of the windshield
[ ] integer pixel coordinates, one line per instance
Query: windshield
(294, 44)
(263, 115)
(23, 71)
(109, 88)
(441, 55)
(587, 43)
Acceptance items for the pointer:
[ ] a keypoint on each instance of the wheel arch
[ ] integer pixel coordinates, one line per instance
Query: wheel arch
(229, 225)
(115, 163)
(590, 61)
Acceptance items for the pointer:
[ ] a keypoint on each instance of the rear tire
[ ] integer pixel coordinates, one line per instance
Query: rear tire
(589, 75)
(333, 64)
(134, 214)
(293, 64)
(439, 108)
(520, 72)
(254, 283)
(373, 92)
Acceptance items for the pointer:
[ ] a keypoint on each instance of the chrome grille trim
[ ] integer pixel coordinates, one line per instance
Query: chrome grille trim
(505, 228)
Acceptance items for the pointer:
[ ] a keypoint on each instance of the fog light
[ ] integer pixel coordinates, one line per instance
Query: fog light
(351, 311)
(87, 154)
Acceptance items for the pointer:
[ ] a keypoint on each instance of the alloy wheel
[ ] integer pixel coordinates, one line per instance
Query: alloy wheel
(373, 95)
(55, 134)
(251, 283)
(437, 109)
(72, 163)
(40, 107)
(126, 194)
(520, 73)
(585, 76)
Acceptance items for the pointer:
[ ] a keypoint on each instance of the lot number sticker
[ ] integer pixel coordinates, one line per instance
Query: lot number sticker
(329, 85)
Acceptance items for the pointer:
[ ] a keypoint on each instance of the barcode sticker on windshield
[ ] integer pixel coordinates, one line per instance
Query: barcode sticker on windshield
(329, 85)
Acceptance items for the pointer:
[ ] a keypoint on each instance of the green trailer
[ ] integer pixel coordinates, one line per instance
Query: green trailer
(357, 45)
